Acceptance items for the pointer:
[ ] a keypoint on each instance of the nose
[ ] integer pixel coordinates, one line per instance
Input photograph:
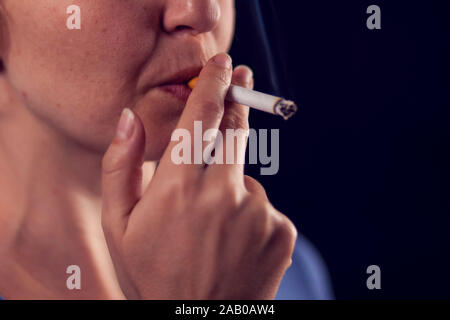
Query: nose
(193, 16)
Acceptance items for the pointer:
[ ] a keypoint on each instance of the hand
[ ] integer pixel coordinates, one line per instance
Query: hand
(196, 231)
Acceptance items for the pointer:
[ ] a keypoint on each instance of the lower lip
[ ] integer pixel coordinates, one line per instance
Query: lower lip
(180, 91)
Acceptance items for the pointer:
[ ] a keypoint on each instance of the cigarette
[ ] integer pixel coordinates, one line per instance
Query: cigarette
(258, 100)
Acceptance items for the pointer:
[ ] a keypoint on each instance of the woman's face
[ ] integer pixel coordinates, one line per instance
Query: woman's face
(127, 51)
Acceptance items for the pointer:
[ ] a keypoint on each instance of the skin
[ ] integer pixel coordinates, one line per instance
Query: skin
(79, 188)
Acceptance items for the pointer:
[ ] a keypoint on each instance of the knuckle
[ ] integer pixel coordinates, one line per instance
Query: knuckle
(221, 77)
(252, 182)
(255, 188)
(285, 235)
(231, 196)
(225, 197)
(258, 215)
(253, 185)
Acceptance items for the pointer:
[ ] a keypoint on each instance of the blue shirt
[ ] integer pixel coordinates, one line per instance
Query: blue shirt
(307, 278)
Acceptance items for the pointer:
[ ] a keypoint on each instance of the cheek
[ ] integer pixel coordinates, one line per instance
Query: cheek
(225, 32)
(78, 79)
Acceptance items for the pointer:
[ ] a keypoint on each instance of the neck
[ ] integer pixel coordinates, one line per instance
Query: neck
(50, 210)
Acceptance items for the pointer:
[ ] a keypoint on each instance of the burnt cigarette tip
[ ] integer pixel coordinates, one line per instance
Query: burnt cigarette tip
(285, 108)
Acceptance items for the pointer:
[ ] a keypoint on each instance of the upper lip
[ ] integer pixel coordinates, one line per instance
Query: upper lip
(182, 76)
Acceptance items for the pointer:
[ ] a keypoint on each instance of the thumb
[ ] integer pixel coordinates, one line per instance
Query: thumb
(122, 172)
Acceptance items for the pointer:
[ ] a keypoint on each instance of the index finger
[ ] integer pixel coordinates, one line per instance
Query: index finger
(205, 104)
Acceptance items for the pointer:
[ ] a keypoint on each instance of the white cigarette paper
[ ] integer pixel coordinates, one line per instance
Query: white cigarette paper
(258, 100)
(262, 101)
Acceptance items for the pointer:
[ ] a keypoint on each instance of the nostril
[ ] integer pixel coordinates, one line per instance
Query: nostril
(181, 28)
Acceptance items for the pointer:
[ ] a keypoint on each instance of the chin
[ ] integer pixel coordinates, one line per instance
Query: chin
(157, 137)
(154, 153)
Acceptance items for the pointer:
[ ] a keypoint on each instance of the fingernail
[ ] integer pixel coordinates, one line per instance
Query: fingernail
(222, 60)
(126, 125)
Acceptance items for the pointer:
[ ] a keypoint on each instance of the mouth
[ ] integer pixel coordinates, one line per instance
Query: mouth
(179, 91)
(177, 84)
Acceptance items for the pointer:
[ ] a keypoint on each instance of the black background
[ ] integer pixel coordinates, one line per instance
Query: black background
(364, 168)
